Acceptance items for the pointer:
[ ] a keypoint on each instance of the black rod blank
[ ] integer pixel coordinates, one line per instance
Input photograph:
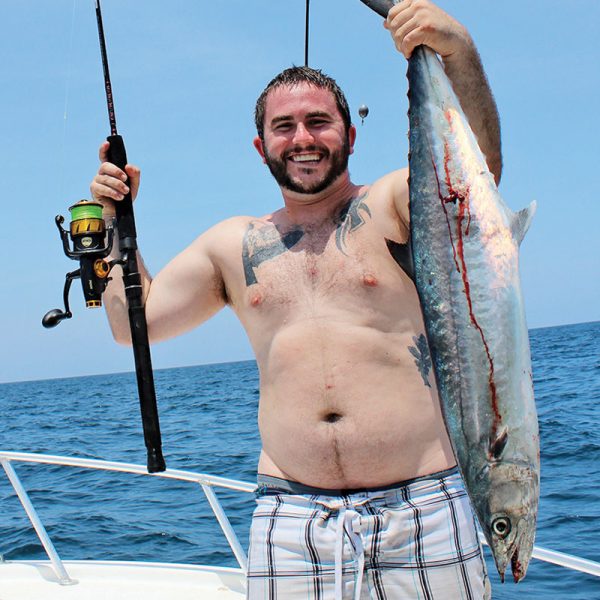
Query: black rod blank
(133, 282)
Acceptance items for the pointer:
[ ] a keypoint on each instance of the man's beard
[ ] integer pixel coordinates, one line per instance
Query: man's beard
(339, 163)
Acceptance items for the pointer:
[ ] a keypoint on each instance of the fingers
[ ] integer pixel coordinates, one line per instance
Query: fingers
(416, 22)
(134, 175)
(402, 22)
(103, 152)
(408, 36)
(111, 183)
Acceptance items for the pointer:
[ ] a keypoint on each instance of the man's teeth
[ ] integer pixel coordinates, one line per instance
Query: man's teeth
(305, 157)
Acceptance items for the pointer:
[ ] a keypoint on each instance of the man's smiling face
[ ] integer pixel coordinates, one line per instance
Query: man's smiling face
(306, 145)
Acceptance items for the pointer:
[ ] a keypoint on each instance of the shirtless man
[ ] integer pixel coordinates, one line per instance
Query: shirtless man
(357, 481)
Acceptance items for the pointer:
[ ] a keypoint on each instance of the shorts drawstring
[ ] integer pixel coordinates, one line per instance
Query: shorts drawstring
(349, 521)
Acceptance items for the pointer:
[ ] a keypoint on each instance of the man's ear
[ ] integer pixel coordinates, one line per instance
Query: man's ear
(258, 144)
(351, 138)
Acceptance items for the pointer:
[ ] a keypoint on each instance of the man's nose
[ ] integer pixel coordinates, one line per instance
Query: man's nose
(302, 134)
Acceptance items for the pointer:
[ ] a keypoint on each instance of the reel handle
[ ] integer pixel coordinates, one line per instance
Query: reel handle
(53, 317)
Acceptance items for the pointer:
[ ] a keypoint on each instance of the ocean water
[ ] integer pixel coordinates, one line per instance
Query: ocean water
(208, 420)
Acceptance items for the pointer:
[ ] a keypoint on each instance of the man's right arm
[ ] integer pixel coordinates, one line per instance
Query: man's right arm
(189, 290)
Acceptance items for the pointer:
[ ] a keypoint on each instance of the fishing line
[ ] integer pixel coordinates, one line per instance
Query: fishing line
(363, 111)
(61, 184)
(306, 31)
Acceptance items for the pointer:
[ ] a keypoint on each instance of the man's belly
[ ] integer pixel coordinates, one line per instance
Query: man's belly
(348, 406)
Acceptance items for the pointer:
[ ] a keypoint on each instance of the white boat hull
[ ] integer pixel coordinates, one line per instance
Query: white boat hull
(107, 580)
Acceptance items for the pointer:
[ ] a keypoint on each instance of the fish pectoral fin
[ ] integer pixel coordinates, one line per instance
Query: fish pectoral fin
(498, 444)
(402, 254)
(521, 221)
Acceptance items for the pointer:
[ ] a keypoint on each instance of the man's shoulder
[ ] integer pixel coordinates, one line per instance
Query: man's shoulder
(394, 182)
(387, 189)
(229, 233)
(238, 224)
(392, 194)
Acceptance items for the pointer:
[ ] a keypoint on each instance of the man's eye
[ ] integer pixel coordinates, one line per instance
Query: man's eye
(282, 127)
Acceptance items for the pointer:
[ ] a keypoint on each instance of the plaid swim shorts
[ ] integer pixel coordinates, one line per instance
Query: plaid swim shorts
(416, 539)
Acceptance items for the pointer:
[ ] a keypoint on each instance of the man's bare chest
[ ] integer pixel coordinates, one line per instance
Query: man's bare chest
(342, 257)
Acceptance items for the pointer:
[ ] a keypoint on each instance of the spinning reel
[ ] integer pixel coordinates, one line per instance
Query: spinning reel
(92, 243)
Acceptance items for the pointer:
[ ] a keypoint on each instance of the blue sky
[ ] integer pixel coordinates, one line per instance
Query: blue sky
(186, 75)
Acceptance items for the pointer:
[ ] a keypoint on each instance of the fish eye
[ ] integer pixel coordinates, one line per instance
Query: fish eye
(501, 526)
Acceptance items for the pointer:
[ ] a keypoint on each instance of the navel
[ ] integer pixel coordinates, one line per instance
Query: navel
(370, 280)
(332, 417)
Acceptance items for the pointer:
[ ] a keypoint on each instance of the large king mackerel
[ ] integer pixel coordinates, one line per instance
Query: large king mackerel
(465, 247)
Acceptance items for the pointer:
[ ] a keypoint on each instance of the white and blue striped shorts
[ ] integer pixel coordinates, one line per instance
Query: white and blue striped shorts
(416, 539)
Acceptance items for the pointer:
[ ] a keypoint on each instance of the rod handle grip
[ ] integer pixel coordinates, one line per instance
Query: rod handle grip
(117, 154)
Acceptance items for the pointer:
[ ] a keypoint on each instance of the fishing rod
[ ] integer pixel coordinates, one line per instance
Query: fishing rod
(132, 280)
(92, 242)
(381, 7)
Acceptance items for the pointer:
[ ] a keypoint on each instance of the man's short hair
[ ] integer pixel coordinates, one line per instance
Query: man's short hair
(294, 76)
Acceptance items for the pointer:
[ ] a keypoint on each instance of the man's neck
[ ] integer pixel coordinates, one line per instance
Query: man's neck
(309, 208)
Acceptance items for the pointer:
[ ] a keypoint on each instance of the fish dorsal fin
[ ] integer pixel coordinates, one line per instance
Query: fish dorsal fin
(521, 221)
(402, 254)
(497, 445)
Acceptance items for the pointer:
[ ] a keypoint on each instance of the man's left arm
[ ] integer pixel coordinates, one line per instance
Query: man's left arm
(416, 22)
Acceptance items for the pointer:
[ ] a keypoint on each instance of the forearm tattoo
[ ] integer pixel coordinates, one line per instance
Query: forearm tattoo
(422, 357)
(265, 242)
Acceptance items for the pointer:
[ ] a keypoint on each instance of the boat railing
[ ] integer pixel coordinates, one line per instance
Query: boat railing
(207, 483)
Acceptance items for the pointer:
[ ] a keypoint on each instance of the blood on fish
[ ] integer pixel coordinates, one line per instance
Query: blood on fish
(458, 251)
(370, 280)
(443, 199)
(256, 300)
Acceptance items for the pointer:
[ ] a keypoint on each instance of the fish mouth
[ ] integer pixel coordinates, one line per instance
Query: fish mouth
(518, 554)
(518, 571)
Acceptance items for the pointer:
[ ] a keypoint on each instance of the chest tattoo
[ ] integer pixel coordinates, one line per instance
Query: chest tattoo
(350, 219)
(265, 242)
(422, 357)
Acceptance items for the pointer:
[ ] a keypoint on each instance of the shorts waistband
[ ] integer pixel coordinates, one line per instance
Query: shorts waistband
(269, 485)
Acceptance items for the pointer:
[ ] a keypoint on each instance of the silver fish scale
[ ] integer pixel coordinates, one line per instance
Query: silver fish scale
(465, 245)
